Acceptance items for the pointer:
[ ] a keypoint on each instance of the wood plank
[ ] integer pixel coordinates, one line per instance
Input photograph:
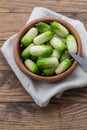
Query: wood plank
(20, 116)
(56, 5)
(3, 63)
(11, 23)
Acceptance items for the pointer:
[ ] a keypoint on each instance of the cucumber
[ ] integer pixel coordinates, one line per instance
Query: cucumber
(71, 44)
(31, 66)
(41, 50)
(26, 52)
(42, 27)
(42, 38)
(64, 65)
(29, 36)
(59, 29)
(59, 45)
(48, 62)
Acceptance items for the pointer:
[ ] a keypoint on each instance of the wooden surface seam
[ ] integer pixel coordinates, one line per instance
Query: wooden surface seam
(17, 109)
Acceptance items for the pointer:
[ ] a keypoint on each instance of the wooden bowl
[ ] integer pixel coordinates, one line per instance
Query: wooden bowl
(16, 50)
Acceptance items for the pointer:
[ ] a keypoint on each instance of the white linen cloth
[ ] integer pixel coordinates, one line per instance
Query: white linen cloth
(42, 92)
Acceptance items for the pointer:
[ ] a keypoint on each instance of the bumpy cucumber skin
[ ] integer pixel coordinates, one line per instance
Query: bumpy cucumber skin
(42, 38)
(31, 66)
(47, 62)
(41, 50)
(42, 27)
(26, 52)
(58, 44)
(48, 71)
(71, 44)
(59, 29)
(64, 65)
(64, 56)
(29, 36)
(56, 54)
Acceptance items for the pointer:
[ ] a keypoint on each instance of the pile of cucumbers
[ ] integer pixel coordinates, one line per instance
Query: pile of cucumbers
(46, 48)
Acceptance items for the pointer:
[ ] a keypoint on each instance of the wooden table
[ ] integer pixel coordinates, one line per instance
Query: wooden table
(17, 109)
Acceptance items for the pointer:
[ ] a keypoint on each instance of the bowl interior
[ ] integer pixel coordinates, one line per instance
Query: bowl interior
(17, 50)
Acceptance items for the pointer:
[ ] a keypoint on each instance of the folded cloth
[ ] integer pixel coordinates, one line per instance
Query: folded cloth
(42, 92)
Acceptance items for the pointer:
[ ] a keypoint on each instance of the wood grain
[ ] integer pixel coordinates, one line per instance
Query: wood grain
(25, 116)
(17, 109)
(55, 5)
(13, 22)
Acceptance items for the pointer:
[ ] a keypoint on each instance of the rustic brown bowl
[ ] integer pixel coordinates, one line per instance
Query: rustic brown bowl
(16, 50)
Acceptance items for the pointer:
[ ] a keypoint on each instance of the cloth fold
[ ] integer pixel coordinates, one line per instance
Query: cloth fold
(42, 92)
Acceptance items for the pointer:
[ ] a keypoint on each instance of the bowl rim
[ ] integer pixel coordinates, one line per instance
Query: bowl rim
(39, 77)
